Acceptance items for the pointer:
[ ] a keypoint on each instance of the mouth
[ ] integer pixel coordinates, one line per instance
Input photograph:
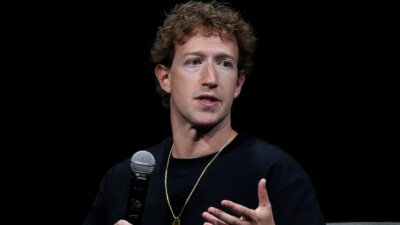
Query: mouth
(207, 100)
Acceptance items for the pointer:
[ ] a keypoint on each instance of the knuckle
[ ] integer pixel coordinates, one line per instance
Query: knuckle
(217, 212)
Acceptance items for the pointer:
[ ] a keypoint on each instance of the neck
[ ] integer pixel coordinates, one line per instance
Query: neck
(193, 142)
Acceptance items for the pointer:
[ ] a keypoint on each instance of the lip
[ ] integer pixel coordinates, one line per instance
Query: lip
(211, 100)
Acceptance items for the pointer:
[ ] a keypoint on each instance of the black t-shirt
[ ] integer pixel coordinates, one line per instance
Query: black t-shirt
(234, 176)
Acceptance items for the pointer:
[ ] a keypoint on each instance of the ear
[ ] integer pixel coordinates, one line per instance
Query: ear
(163, 77)
(239, 83)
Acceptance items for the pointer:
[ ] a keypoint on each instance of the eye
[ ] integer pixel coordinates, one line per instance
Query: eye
(194, 61)
(226, 63)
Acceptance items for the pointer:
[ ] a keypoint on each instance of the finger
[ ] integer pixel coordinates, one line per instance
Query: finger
(263, 199)
(122, 222)
(223, 216)
(238, 209)
(212, 220)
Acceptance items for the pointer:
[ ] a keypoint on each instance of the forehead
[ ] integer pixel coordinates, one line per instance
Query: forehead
(208, 44)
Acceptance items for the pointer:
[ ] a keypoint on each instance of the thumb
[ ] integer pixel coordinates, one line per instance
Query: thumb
(263, 199)
(122, 222)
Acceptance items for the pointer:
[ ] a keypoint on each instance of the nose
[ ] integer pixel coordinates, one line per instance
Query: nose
(209, 76)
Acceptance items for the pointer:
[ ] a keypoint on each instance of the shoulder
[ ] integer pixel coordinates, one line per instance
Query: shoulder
(271, 158)
(120, 172)
(261, 150)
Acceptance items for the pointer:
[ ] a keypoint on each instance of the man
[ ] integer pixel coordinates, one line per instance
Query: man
(207, 173)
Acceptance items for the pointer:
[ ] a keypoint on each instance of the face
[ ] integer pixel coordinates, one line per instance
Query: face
(202, 81)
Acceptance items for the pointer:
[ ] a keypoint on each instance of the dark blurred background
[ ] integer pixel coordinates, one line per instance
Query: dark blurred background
(321, 90)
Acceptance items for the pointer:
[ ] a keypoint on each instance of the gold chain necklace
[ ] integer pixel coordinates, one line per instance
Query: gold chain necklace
(176, 218)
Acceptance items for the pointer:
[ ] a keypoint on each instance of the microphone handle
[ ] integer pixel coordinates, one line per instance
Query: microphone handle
(137, 197)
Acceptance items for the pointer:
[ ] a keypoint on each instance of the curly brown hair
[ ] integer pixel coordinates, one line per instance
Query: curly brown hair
(214, 17)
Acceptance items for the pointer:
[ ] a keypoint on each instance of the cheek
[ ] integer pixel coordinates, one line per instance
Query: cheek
(180, 86)
(233, 84)
(226, 71)
(183, 80)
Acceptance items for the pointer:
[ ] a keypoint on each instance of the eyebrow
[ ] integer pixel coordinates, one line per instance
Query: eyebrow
(218, 55)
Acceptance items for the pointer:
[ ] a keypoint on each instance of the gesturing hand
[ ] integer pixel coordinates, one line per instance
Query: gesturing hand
(260, 216)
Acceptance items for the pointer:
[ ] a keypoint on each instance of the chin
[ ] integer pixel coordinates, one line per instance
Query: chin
(207, 120)
(203, 122)
(206, 123)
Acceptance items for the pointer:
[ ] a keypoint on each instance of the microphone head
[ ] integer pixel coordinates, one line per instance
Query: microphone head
(143, 162)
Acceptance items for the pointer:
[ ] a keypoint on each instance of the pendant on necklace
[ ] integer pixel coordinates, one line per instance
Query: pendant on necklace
(176, 221)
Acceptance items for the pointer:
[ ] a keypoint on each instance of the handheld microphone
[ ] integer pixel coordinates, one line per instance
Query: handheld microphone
(142, 165)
